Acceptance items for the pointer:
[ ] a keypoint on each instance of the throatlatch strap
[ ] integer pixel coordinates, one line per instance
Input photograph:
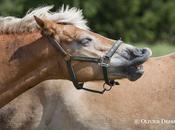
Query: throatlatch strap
(57, 45)
(73, 77)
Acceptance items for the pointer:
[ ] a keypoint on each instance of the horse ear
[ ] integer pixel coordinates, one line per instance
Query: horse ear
(39, 21)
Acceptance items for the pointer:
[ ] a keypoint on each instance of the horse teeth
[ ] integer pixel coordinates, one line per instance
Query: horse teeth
(139, 66)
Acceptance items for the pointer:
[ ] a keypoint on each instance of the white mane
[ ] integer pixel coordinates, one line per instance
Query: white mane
(27, 23)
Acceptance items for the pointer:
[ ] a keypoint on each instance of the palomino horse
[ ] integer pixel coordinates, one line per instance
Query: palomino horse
(27, 57)
(147, 104)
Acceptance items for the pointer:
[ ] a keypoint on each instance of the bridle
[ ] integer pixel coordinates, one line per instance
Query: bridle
(103, 62)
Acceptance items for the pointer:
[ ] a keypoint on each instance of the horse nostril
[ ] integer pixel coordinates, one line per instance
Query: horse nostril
(139, 52)
(144, 51)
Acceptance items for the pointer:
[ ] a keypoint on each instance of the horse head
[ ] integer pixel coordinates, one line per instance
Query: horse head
(125, 62)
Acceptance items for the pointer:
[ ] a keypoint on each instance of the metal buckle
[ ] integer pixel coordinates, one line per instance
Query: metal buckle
(105, 88)
(104, 62)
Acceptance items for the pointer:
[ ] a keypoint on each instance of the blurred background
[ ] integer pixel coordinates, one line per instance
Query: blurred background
(148, 23)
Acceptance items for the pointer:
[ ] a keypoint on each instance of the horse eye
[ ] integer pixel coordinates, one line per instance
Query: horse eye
(85, 41)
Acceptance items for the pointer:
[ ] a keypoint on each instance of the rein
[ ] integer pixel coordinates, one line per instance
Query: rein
(103, 62)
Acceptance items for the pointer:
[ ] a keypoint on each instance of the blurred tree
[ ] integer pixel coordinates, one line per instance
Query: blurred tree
(11, 7)
(132, 20)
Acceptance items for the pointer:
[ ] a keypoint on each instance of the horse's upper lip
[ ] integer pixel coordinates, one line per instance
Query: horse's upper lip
(140, 59)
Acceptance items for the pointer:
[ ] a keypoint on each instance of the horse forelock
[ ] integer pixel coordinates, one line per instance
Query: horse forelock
(67, 15)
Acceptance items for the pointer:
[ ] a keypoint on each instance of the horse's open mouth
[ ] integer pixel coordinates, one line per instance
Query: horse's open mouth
(131, 68)
(135, 68)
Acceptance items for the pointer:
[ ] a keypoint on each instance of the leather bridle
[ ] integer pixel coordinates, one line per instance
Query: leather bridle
(103, 62)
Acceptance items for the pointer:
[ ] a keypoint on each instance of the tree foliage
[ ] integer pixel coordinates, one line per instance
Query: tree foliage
(132, 20)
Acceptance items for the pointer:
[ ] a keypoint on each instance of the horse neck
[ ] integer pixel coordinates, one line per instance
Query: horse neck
(26, 60)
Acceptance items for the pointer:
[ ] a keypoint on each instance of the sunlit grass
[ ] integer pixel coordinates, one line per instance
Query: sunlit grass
(159, 49)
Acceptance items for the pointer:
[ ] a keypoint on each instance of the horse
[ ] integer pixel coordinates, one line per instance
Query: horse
(146, 104)
(41, 45)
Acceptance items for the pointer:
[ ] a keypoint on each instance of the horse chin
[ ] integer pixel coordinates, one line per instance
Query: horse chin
(135, 72)
(132, 73)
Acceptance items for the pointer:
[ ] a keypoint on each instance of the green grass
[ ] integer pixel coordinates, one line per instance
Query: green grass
(158, 49)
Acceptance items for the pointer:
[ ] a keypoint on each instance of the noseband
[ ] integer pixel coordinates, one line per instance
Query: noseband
(103, 62)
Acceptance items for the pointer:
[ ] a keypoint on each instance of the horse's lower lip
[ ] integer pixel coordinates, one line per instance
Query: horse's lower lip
(135, 72)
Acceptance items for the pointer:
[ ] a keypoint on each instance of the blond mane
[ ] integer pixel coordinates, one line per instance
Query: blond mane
(27, 23)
